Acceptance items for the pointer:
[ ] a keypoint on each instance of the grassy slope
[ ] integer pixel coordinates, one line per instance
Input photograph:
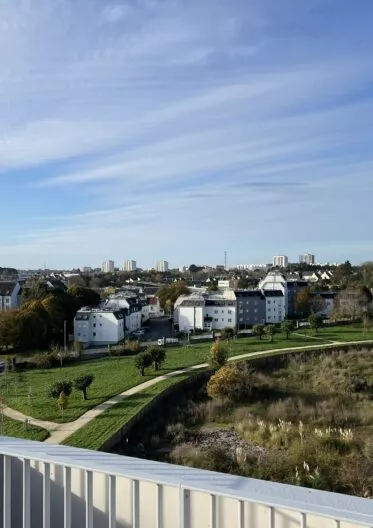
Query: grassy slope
(99, 430)
(96, 432)
(115, 375)
(17, 429)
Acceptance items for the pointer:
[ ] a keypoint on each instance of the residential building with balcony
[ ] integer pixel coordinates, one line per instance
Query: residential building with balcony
(99, 326)
(56, 486)
(131, 308)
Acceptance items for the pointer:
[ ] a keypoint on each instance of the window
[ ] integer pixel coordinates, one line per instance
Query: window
(269, 302)
(241, 318)
(229, 311)
(229, 320)
(241, 311)
(94, 334)
(216, 311)
(247, 311)
(94, 325)
(269, 309)
(100, 324)
(255, 311)
(247, 302)
(78, 333)
(94, 317)
(216, 320)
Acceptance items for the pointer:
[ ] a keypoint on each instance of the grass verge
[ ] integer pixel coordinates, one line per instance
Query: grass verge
(18, 430)
(104, 426)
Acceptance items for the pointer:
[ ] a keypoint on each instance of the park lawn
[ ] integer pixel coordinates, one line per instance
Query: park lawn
(104, 426)
(117, 374)
(17, 429)
(353, 332)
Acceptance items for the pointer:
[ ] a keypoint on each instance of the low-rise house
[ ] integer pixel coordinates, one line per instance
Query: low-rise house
(99, 326)
(251, 308)
(9, 295)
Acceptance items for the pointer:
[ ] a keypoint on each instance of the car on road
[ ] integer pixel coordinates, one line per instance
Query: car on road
(138, 332)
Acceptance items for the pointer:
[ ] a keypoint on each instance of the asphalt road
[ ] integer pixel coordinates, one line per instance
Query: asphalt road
(158, 328)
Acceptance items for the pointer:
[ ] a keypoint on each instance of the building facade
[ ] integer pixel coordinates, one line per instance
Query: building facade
(99, 326)
(129, 265)
(9, 295)
(307, 259)
(280, 261)
(107, 266)
(130, 306)
(251, 308)
(275, 306)
(162, 266)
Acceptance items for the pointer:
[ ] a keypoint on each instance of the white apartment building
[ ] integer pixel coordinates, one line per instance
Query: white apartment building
(107, 266)
(129, 265)
(162, 266)
(307, 259)
(9, 295)
(275, 306)
(229, 284)
(130, 306)
(206, 312)
(99, 326)
(280, 261)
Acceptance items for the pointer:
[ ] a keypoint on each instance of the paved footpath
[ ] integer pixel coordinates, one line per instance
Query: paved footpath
(59, 432)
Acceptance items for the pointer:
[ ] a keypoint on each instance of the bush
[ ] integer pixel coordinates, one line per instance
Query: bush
(233, 382)
(142, 361)
(59, 386)
(43, 360)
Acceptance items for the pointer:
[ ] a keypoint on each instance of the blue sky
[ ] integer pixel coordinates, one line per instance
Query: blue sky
(177, 129)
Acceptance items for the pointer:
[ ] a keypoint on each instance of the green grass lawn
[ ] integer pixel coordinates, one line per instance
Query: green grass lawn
(14, 428)
(114, 375)
(99, 430)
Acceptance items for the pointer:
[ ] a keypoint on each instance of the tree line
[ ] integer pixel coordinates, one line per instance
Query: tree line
(42, 316)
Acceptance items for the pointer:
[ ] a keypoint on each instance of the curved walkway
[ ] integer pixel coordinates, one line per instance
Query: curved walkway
(59, 432)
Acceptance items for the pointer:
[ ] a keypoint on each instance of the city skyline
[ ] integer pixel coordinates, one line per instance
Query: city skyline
(142, 125)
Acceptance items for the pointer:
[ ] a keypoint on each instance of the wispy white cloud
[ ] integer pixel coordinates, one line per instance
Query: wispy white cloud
(127, 117)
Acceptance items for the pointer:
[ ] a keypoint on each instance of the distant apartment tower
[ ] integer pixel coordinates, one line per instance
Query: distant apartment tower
(107, 266)
(280, 261)
(307, 259)
(129, 265)
(87, 269)
(162, 266)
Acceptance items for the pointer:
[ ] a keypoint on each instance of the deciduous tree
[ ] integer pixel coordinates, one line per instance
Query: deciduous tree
(143, 361)
(218, 355)
(315, 322)
(233, 382)
(82, 383)
(258, 330)
(287, 327)
(158, 355)
(270, 331)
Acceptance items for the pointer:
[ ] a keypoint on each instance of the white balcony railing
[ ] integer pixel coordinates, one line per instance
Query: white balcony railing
(62, 487)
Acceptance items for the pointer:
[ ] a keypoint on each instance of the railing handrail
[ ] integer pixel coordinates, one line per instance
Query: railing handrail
(309, 501)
